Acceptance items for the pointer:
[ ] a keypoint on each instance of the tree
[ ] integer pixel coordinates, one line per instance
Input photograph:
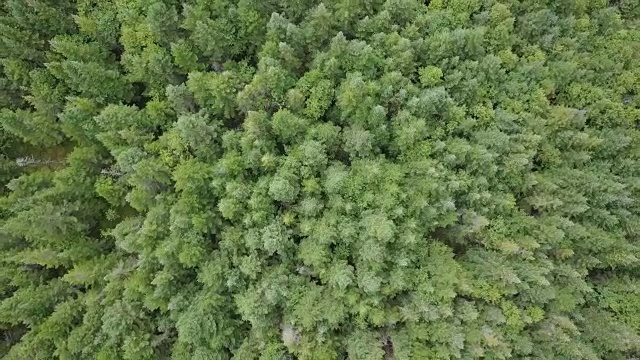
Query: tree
(319, 180)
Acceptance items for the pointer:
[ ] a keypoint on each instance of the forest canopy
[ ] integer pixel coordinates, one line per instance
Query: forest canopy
(338, 179)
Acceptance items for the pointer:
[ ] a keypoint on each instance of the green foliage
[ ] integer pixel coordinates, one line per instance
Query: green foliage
(455, 179)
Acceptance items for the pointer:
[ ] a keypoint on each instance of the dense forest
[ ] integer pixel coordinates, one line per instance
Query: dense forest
(345, 179)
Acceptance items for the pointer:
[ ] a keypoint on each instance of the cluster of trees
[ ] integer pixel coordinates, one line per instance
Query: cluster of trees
(361, 179)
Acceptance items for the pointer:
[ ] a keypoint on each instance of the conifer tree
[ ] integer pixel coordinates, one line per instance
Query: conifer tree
(386, 179)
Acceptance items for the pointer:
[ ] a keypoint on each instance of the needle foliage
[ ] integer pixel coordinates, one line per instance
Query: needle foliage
(345, 179)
